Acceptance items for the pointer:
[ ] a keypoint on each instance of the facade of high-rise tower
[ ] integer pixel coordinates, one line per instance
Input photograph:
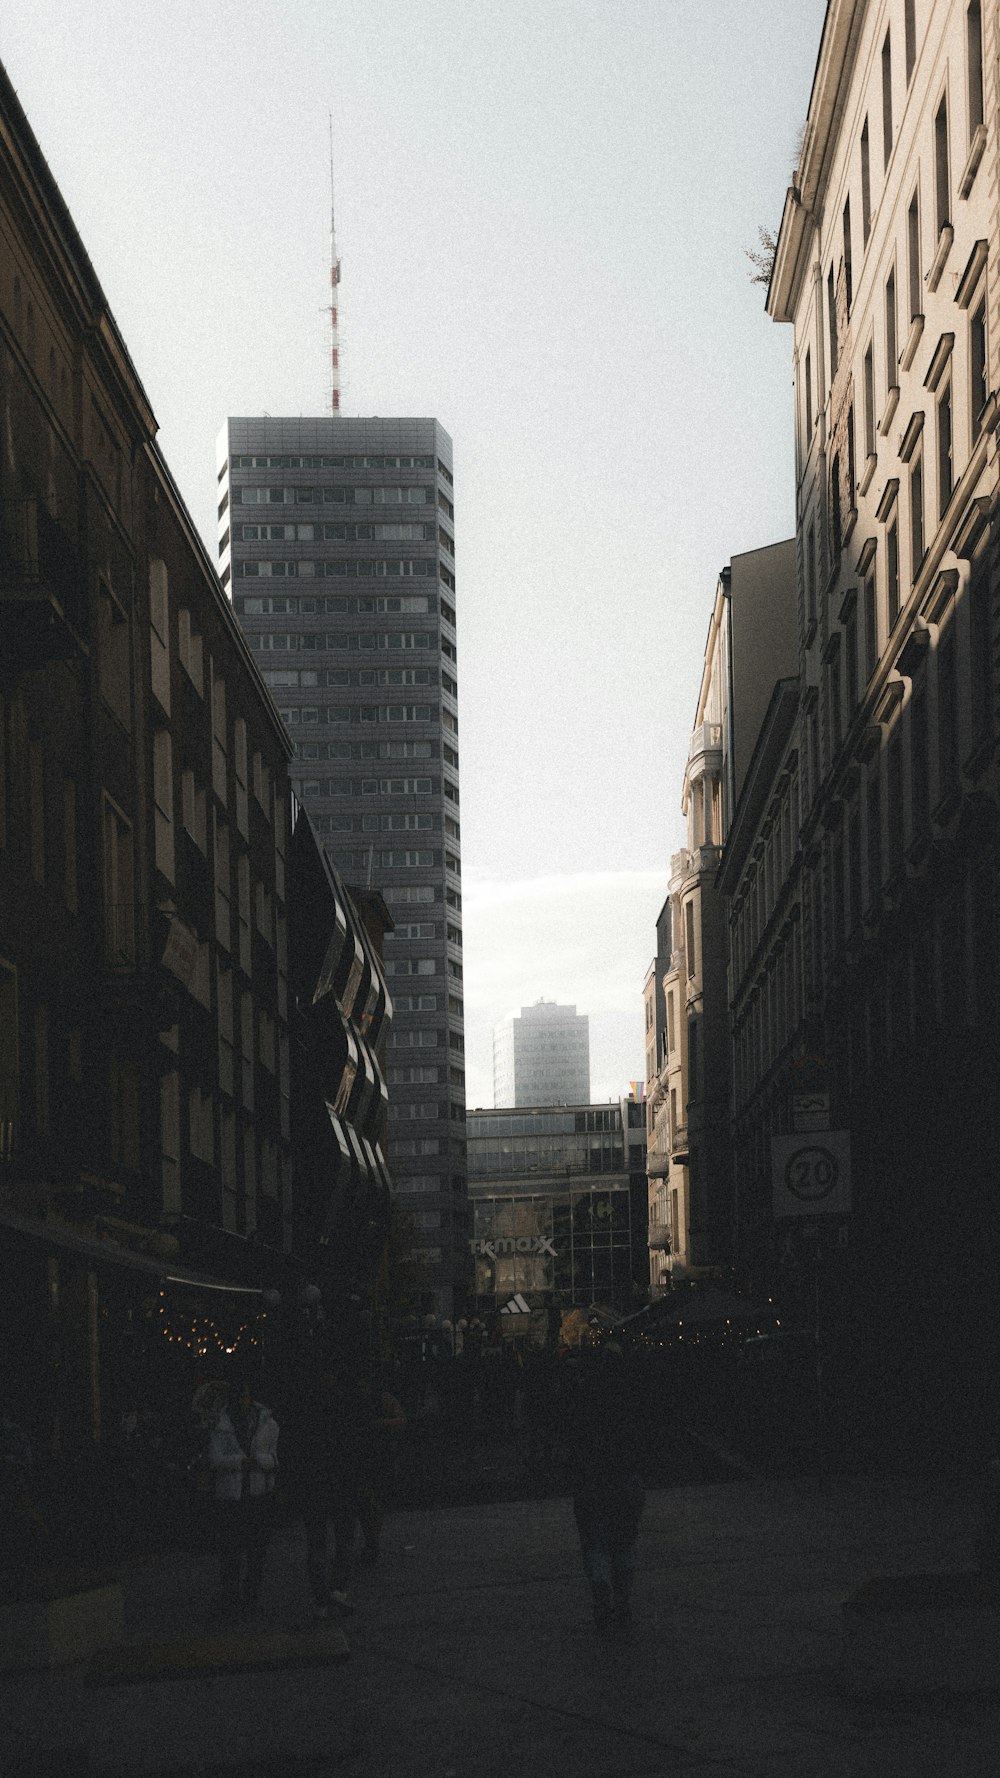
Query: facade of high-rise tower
(337, 548)
(542, 1057)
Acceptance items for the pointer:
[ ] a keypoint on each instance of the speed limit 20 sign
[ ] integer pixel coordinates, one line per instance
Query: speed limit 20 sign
(812, 1173)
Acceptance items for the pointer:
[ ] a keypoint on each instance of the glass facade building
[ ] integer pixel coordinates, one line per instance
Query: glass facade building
(542, 1057)
(337, 549)
(551, 1207)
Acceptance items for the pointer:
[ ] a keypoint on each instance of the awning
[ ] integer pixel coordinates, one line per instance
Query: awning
(57, 1238)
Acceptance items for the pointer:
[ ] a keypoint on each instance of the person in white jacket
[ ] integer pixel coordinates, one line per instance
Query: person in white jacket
(242, 1455)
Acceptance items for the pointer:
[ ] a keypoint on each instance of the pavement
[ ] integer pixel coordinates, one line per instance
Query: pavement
(474, 1655)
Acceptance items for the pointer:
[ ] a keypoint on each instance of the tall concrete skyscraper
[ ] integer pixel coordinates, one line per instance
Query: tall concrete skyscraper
(337, 547)
(543, 1057)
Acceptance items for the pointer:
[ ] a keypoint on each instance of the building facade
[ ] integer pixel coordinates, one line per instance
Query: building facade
(337, 547)
(760, 879)
(339, 1021)
(147, 1172)
(662, 1211)
(551, 1194)
(687, 1001)
(887, 270)
(542, 1057)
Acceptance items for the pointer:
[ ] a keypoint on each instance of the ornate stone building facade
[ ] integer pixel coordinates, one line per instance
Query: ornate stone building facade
(887, 269)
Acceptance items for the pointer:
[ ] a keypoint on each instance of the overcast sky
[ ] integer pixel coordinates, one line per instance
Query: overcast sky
(542, 211)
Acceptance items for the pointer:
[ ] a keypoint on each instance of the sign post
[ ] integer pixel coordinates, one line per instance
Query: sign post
(811, 1181)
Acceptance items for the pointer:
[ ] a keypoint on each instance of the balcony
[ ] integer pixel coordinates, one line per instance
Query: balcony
(659, 1237)
(706, 738)
(42, 587)
(679, 1145)
(657, 1166)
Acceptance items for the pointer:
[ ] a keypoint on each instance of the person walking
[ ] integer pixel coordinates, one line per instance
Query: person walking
(328, 1461)
(380, 1423)
(242, 1456)
(608, 1491)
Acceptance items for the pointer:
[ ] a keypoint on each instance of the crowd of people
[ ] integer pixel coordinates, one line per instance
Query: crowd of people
(336, 1448)
(325, 1454)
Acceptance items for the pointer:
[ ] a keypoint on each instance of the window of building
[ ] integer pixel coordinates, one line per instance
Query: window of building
(243, 910)
(851, 466)
(916, 512)
(866, 186)
(809, 397)
(834, 692)
(119, 893)
(887, 99)
(123, 1113)
(891, 348)
(869, 399)
(974, 65)
(810, 576)
(159, 638)
(262, 784)
(223, 883)
(691, 959)
(113, 655)
(201, 1125)
(835, 506)
(851, 661)
(240, 775)
(831, 310)
(978, 376)
(246, 1049)
(189, 650)
(219, 748)
(942, 178)
(914, 276)
(194, 810)
(945, 447)
(909, 38)
(847, 253)
(870, 626)
(224, 1014)
(163, 803)
(892, 569)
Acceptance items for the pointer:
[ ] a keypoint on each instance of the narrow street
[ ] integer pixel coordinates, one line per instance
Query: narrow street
(473, 1654)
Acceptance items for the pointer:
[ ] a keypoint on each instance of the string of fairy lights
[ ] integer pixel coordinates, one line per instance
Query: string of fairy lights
(200, 1334)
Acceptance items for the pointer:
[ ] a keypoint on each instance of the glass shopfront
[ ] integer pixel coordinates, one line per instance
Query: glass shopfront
(564, 1247)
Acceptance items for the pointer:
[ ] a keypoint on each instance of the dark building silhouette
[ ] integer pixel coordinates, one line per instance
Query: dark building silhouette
(153, 1003)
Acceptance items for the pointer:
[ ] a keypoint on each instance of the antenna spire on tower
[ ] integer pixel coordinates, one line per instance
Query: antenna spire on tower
(334, 294)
